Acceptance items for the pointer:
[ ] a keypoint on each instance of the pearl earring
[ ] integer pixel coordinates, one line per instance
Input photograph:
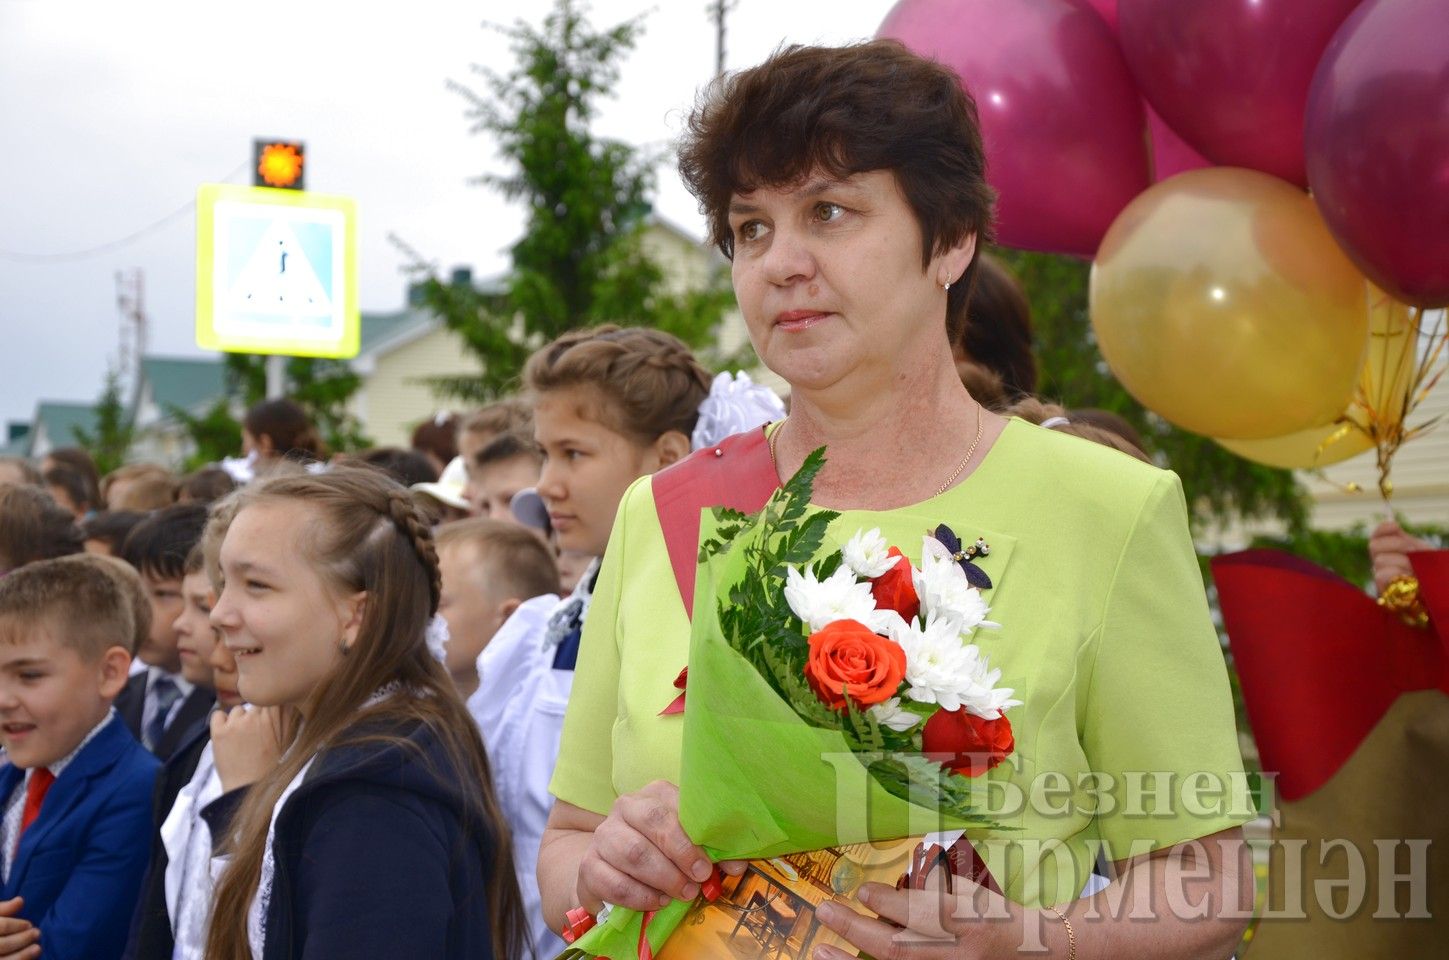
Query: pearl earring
(946, 287)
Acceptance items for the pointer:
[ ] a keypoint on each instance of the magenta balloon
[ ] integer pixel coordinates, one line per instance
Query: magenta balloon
(1170, 154)
(1065, 135)
(1377, 139)
(1108, 10)
(1231, 76)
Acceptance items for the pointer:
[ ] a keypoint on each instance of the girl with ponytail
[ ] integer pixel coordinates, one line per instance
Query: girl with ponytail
(359, 817)
(611, 405)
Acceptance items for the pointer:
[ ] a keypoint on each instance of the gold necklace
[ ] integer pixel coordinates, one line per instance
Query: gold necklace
(970, 452)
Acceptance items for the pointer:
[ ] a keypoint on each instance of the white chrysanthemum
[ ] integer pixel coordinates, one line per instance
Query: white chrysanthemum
(822, 602)
(942, 668)
(945, 592)
(891, 714)
(868, 554)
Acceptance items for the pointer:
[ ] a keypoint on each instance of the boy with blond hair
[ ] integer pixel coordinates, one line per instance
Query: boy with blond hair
(75, 791)
(490, 568)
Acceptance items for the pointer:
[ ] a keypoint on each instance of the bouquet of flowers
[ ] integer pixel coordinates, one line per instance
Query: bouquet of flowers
(830, 699)
(866, 644)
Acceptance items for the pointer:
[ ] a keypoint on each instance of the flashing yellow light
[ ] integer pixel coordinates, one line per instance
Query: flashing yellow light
(280, 165)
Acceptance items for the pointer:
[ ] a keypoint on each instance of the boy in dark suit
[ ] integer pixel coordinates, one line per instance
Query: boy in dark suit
(75, 792)
(173, 885)
(159, 705)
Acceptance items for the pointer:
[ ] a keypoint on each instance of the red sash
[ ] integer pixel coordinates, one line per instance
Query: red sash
(738, 472)
(1320, 662)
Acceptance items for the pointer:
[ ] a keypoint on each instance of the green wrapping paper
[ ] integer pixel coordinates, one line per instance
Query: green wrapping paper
(757, 781)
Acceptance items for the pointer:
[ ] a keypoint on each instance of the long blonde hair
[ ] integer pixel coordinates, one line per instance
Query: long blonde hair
(367, 536)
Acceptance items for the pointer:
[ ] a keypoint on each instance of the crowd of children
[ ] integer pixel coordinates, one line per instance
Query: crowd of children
(299, 704)
(244, 711)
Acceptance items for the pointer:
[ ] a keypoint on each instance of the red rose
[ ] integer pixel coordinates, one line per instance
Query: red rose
(895, 590)
(847, 659)
(974, 745)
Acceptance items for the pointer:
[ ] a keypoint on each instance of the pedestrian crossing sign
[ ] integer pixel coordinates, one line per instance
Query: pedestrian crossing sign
(276, 272)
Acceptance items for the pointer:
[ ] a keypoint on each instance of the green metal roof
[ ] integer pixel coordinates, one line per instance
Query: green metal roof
(60, 421)
(188, 383)
(379, 328)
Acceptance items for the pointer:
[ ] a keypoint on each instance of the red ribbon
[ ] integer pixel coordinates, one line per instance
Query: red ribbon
(960, 858)
(1320, 662)
(677, 704)
(710, 890)
(646, 952)
(580, 923)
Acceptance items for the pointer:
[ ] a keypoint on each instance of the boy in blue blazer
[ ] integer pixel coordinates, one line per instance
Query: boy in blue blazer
(75, 791)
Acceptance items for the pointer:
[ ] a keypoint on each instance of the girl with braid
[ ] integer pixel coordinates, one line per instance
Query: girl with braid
(611, 405)
(358, 816)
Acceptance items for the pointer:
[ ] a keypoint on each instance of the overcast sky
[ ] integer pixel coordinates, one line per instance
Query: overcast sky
(112, 113)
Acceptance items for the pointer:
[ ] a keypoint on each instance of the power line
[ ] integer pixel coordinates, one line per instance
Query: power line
(19, 257)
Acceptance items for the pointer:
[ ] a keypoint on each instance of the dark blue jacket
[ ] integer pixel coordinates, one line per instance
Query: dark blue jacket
(80, 864)
(383, 852)
(150, 937)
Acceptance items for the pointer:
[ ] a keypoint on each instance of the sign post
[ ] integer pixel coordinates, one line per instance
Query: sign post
(276, 272)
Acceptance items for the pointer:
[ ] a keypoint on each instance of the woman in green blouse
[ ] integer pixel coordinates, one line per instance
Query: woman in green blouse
(848, 188)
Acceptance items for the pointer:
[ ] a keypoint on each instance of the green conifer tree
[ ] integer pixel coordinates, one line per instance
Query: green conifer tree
(581, 259)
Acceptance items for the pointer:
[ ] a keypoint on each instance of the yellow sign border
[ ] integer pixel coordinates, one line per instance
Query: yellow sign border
(207, 336)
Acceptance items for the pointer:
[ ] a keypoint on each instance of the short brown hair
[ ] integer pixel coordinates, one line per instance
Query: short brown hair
(73, 482)
(516, 556)
(155, 487)
(437, 435)
(500, 416)
(28, 473)
(77, 597)
(506, 446)
(649, 380)
(34, 527)
(843, 111)
(110, 527)
(79, 460)
(287, 425)
(125, 575)
(1036, 411)
(205, 486)
(997, 332)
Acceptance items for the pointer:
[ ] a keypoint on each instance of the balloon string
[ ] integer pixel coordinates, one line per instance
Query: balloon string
(1389, 433)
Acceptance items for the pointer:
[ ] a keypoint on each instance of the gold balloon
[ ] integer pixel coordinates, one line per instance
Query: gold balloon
(1383, 385)
(1222, 303)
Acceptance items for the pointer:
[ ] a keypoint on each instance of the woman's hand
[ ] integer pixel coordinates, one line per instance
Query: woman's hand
(1197, 895)
(640, 857)
(928, 924)
(247, 744)
(1389, 549)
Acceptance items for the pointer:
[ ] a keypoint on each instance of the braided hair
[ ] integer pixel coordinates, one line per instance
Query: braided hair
(649, 381)
(364, 535)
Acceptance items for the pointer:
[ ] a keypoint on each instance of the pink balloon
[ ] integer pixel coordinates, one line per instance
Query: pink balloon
(1377, 139)
(1062, 122)
(1231, 76)
(1108, 10)
(1170, 154)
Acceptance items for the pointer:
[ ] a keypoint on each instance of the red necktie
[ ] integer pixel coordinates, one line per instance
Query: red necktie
(35, 790)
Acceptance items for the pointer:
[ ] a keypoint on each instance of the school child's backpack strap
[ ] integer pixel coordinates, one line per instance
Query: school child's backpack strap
(737, 472)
